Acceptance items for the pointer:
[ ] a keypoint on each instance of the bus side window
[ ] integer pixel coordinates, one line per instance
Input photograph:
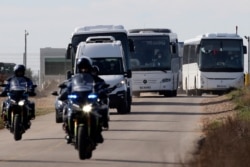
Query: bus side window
(131, 45)
(185, 54)
(192, 54)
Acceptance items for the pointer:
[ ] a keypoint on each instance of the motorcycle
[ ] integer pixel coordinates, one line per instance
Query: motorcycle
(84, 117)
(17, 108)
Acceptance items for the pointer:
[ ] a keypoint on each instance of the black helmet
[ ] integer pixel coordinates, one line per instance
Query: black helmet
(19, 70)
(84, 63)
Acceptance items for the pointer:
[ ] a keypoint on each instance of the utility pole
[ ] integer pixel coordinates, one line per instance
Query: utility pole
(25, 48)
(248, 55)
(248, 58)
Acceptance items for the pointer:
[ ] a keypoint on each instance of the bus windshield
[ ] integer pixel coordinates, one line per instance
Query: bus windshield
(221, 55)
(151, 53)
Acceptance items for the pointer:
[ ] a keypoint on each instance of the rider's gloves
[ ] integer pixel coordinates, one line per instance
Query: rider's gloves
(3, 94)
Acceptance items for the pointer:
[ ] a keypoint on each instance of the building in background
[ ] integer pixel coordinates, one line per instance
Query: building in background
(53, 65)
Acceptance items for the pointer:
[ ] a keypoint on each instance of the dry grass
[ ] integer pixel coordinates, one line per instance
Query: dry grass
(227, 134)
(227, 145)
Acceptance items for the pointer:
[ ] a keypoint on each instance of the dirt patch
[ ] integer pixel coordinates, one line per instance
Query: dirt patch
(44, 101)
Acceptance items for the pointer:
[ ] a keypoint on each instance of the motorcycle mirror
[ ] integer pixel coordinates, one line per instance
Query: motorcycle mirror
(128, 74)
(3, 85)
(62, 86)
(105, 86)
(54, 93)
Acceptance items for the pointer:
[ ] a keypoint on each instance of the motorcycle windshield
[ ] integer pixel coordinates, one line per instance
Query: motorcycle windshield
(18, 84)
(82, 83)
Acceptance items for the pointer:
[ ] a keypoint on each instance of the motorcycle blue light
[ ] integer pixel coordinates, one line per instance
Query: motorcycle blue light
(72, 96)
(92, 96)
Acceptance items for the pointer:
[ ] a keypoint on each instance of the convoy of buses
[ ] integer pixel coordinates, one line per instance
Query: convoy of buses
(209, 63)
(155, 61)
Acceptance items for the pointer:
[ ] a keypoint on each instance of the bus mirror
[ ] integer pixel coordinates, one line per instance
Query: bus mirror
(244, 49)
(174, 49)
(131, 45)
(68, 52)
(129, 74)
(198, 49)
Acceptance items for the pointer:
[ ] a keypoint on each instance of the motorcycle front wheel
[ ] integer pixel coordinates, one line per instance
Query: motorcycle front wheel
(84, 145)
(17, 127)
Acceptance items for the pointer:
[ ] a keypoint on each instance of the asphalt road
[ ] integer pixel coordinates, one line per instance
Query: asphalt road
(159, 132)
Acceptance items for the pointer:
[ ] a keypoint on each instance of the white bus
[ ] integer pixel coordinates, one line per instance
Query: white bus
(213, 63)
(151, 72)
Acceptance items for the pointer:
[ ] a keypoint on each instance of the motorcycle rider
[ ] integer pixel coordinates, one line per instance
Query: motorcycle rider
(84, 69)
(19, 75)
(105, 112)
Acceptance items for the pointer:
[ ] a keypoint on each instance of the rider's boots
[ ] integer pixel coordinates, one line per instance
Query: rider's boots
(99, 138)
(4, 117)
(32, 111)
(68, 137)
(105, 118)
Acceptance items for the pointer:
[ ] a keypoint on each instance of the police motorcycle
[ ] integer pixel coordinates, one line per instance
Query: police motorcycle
(17, 108)
(83, 114)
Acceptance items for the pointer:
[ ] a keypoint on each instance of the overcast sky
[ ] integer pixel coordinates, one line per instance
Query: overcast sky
(51, 22)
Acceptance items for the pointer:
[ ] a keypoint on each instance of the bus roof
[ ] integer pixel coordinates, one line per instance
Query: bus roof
(147, 30)
(99, 29)
(10, 64)
(213, 36)
(153, 32)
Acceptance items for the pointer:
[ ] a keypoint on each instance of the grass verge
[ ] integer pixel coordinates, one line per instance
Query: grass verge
(227, 143)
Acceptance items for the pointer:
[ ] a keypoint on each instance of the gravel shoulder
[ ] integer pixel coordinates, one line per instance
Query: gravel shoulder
(217, 108)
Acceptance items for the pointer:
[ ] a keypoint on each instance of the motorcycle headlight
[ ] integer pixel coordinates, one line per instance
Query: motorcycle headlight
(87, 108)
(21, 103)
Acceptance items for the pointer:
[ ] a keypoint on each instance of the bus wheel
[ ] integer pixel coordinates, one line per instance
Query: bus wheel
(188, 92)
(198, 92)
(174, 93)
(167, 93)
